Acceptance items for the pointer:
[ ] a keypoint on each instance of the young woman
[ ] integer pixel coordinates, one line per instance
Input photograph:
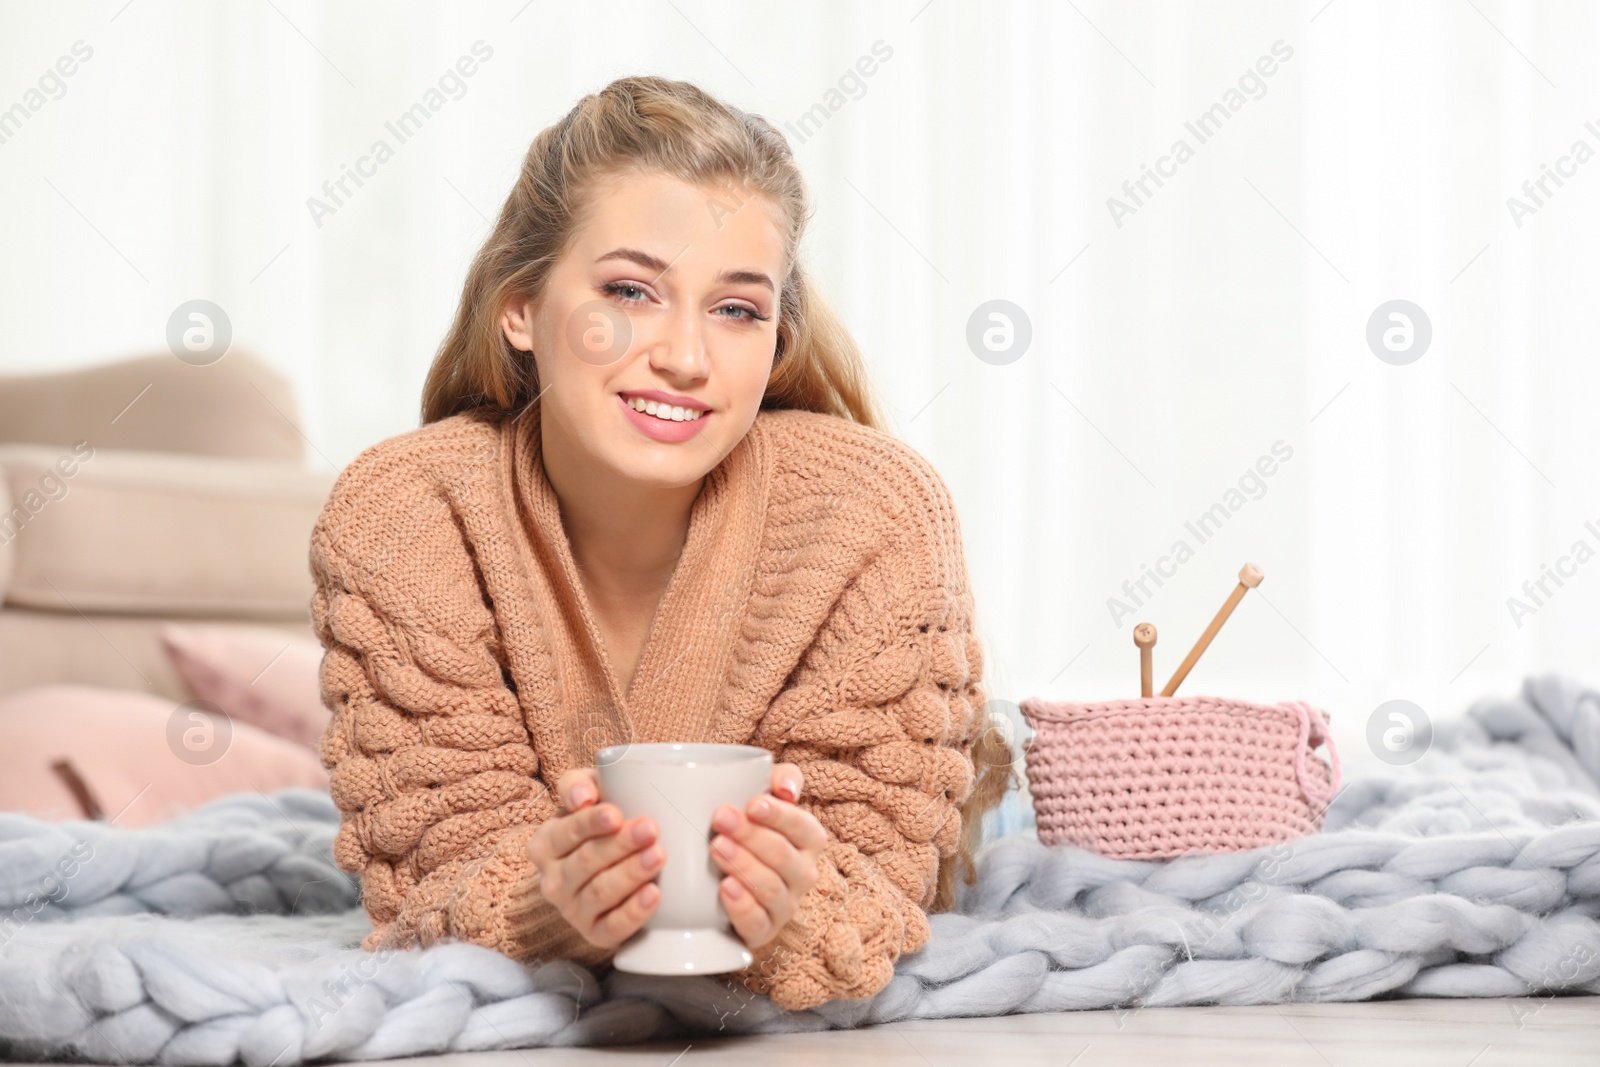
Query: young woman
(651, 500)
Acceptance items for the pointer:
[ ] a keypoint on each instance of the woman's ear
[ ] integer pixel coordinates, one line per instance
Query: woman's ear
(516, 320)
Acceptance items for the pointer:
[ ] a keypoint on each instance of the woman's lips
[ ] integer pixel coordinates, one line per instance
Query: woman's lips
(662, 429)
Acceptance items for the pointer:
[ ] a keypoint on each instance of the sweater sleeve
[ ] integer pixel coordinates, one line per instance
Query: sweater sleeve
(882, 717)
(431, 764)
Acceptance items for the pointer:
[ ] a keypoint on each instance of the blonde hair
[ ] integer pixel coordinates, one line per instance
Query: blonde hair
(655, 125)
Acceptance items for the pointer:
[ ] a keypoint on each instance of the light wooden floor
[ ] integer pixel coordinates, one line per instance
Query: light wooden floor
(1415, 1033)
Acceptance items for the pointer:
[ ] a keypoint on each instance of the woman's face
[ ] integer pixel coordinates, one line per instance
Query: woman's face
(668, 294)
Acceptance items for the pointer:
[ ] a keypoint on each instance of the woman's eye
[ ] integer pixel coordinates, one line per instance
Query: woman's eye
(743, 313)
(627, 291)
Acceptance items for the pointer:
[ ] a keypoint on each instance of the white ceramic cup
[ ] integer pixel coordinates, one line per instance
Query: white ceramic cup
(681, 786)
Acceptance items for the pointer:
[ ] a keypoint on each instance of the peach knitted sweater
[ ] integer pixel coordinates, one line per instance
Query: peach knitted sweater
(820, 609)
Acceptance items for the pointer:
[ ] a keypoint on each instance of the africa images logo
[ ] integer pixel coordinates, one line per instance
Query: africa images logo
(1203, 128)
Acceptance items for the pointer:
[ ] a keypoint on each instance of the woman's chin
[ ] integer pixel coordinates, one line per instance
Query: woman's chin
(645, 464)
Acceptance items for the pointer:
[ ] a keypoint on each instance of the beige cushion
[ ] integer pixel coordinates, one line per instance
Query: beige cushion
(109, 651)
(238, 406)
(102, 530)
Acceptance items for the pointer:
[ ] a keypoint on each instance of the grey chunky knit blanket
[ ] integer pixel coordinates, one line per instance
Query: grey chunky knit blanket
(229, 936)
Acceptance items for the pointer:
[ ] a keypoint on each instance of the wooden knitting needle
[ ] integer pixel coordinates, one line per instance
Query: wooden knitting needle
(1144, 635)
(1249, 577)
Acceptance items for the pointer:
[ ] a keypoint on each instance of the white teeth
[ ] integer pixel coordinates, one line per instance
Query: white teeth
(662, 411)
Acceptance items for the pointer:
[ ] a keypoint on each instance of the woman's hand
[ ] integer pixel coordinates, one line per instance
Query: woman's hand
(597, 870)
(769, 853)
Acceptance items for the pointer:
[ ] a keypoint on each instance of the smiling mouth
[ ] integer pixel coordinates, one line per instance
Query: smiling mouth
(664, 412)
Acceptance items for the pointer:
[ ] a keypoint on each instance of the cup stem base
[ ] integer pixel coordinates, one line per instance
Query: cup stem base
(705, 951)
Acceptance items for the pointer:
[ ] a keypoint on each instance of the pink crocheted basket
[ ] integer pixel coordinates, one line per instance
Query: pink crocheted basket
(1162, 776)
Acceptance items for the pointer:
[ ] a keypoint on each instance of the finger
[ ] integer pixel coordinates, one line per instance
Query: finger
(787, 781)
(792, 821)
(555, 838)
(796, 868)
(567, 832)
(750, 920)
(578, 787)
(597, 854)
(616, 883)
(623, 921)
(789, 843)
(764, 883)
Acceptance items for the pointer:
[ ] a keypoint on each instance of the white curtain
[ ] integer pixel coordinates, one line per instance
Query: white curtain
(1340, 156)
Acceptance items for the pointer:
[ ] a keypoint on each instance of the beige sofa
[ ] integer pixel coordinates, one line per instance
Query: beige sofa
(143, 491)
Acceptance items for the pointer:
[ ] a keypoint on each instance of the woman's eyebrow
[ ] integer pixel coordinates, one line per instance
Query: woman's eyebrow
(753, 277)
(655, 263)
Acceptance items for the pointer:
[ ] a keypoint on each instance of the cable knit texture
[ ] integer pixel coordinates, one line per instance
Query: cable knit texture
(820, 608)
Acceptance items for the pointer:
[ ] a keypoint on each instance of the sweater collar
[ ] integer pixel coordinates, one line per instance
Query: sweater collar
(681, 675)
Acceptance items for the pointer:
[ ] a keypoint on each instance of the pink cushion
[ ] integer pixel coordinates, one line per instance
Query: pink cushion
(145, 757)
(255, 674)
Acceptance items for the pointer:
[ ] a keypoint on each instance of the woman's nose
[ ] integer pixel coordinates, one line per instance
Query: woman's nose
(680, 348)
